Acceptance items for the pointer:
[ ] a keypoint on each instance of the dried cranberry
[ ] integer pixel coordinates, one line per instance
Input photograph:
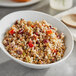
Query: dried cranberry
(36, 33)
(21, 31)
(58, 36)
(44, 46)
(16, 22)
(50, 27)
(40, 30)
(19, 52)
(27, 42)
(45, 41)
(37, 42)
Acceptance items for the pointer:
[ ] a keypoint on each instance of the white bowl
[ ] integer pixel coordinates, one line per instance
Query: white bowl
(8, 20)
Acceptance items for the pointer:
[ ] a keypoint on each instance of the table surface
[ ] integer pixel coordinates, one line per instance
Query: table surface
(10, 68)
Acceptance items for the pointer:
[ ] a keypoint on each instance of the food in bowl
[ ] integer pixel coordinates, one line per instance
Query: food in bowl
(21, 0)
(34, 42)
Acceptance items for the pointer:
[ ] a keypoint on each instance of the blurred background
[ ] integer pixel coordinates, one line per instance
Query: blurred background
(51, 7)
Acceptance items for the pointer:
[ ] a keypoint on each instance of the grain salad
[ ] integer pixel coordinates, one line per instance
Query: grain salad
(34, 42)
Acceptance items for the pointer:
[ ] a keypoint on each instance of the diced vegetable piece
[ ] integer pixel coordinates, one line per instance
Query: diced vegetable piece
(11, 31)
(30, 44)
(32, 26)
(49, 32)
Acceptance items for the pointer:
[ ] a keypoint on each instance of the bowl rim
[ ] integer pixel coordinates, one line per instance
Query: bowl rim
(36, 65)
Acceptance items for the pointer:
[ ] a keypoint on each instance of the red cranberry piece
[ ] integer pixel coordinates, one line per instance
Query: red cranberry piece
(45, 41)
(42, 31)
(21, 31)
(50, 27)
(16, 22)
(36, 33)
(37, 42)
(19, 52)
(58, 36)
(44, 46)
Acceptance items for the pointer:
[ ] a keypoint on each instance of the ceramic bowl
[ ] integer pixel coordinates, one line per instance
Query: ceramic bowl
(9, 19)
